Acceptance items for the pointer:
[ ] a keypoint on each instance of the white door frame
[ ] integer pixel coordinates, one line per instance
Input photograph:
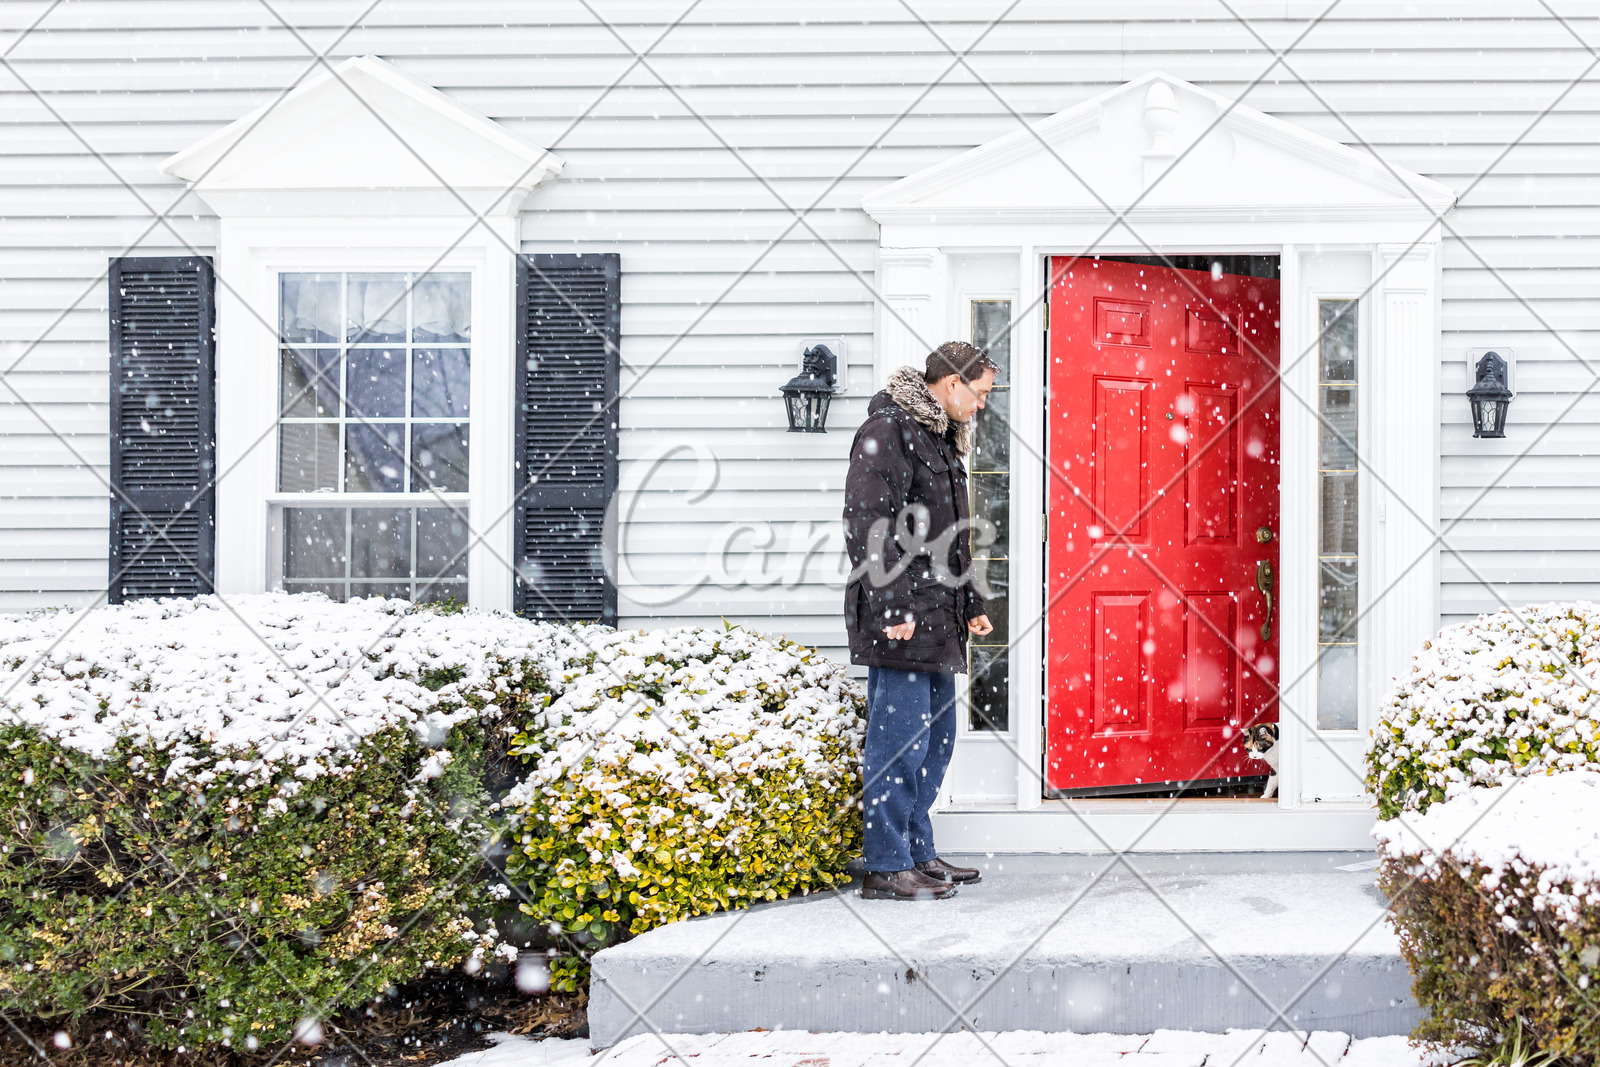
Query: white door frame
(1400, 359)
(1341, 227)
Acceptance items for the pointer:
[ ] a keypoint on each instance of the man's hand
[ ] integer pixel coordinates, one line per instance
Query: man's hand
(980, 627)
(902, 632)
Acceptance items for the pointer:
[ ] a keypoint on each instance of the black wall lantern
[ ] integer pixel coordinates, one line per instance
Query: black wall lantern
(1490, 396)
(806, 395)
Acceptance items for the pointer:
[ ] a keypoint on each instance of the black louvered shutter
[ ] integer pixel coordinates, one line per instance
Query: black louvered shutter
(163, 428)
(568, 312)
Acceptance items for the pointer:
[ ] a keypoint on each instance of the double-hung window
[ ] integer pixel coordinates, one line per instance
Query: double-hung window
(373, 434)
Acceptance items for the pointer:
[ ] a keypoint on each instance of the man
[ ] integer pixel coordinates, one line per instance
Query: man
(910, 604)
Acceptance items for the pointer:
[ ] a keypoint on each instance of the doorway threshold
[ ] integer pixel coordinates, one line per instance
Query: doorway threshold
(1145, 824)
(1248, 787)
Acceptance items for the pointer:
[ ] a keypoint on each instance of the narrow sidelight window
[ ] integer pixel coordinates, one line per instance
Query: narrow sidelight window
(988, 665)
(1337, 552)
(374, 373)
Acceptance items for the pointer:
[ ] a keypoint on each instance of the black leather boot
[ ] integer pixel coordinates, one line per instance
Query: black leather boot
(909, 884)
(938, 868)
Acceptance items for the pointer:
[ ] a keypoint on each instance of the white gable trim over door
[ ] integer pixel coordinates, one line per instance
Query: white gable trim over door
(361, 169)
(1202, 175)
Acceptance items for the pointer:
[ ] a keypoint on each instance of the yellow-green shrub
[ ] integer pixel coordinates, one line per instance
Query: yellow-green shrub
(1504, 696)
(680, 772)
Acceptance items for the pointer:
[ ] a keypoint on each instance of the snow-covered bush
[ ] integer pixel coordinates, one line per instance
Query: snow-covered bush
(1487, 701)
(213, 815)
(1497, 901)
(684, 771)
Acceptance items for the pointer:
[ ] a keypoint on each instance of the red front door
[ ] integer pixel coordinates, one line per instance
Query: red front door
(1163, 523)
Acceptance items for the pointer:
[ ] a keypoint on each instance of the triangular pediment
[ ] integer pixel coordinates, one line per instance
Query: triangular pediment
(366, 128)
(1224, 160)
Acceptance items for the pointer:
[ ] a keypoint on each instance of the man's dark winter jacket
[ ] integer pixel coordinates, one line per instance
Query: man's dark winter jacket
(907, 493)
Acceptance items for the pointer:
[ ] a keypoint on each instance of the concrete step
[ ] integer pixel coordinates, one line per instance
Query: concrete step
(1207, 942)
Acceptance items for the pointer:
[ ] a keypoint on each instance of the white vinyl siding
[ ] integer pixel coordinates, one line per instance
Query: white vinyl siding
(1439, 92)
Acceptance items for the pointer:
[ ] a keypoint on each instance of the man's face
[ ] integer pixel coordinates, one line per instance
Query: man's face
(961, 400)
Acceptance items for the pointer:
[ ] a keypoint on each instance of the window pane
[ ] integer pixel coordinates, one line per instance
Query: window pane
(375, 383)
(991, 503)
(1337, 344)
(991, 331)
(402, 590)
(308, 308)
(332, 590)
(1338, 601)
(373, 462)
(308, 456)
(988, 677)
(1339, 531)
(441, 544)
(1338, 421)
(997, 572)
(442, 308)
(440, 383)
(375, 380)
(380, 544)
(1336, 688)
(313, 543)
(989, 689)
(439, 457)
(436, 591)
(991, 446)
(381, 560)
(375, 308)
(309, 383)
(1339, 536)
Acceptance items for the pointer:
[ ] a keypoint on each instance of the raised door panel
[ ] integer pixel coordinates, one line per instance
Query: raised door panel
(1211, 465)
(1121, 662)
(1210, 666)
(1121, 458)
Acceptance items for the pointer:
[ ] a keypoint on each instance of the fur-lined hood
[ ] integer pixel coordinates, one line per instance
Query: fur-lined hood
(907, 389)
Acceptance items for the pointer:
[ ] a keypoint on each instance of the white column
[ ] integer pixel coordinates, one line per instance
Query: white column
(1406, 370)
(494, 401)
(1028, 500)
(246, 403)
(909, 321)
(1297, 521)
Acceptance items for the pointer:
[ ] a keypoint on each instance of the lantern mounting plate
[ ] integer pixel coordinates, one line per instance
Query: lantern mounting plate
(836, 345)
(1507, 354)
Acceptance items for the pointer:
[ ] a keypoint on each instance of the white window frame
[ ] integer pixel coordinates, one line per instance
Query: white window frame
(253, 253)
(963, 311)
(1364, 499)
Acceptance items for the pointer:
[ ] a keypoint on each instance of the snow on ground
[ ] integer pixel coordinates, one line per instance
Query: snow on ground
(1509, 828)
(794, 1048)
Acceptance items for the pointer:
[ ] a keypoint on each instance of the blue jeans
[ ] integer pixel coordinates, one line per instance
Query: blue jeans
(911, 730)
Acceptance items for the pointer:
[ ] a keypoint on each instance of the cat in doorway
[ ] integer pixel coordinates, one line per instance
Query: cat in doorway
(1262, 744)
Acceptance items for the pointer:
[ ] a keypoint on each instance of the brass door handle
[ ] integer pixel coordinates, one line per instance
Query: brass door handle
(1264, 585)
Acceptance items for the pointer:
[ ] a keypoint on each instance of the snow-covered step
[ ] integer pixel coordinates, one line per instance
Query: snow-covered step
(1203, 942)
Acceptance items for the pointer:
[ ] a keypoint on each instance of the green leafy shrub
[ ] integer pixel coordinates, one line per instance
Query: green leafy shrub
(1487, 701)
(218, 831)
(1496, 897)
(681, 772)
